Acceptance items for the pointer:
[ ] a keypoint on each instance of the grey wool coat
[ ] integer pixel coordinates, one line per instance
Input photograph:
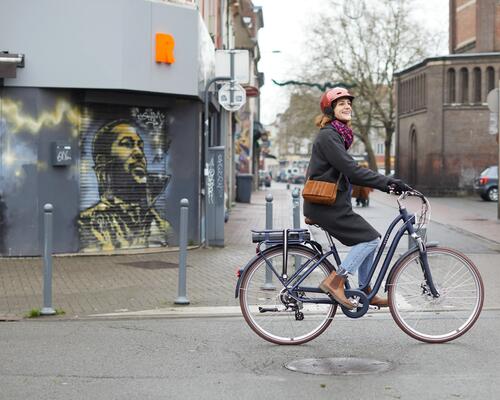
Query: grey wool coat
(329, 158)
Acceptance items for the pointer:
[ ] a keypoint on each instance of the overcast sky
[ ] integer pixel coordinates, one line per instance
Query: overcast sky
(284, 24)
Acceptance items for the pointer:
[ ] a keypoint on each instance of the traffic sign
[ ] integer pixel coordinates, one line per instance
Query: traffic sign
(239, 96)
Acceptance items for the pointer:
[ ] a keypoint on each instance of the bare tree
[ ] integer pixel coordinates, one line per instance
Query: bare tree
(297, 122)
(366, 52)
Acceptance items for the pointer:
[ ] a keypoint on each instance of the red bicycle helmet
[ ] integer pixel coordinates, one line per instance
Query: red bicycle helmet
(330, 96)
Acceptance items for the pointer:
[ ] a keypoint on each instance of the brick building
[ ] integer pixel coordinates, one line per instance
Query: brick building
(443, 121)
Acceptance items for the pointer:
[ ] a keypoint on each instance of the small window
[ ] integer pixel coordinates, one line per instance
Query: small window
(451, 86)
(490, 73)
(477, 85)
(464, 85)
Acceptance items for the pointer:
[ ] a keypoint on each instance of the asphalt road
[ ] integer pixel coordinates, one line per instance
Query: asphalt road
(221, 358)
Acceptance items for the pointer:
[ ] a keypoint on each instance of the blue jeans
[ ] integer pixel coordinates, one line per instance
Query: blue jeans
(360, 259)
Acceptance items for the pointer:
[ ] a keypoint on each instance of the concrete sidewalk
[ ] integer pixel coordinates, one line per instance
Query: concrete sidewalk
(127, 285)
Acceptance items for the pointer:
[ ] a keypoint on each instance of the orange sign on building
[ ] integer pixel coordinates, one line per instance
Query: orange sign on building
(165, 44)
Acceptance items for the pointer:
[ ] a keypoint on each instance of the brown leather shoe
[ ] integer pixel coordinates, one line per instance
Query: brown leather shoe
(377, 300)
(334, 284)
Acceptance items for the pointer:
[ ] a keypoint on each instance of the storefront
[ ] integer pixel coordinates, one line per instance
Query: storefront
(103, 121)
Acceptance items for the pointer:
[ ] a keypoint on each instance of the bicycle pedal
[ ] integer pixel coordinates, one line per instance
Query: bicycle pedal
(372, 307)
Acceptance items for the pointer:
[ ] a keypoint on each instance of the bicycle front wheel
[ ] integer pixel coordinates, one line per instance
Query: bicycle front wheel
(269, 309)
(441, 319)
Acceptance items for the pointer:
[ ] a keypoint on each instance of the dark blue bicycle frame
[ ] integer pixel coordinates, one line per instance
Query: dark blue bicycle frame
(406, 227)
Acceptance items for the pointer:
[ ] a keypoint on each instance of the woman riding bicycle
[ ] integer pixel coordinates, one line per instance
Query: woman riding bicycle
(329, 161)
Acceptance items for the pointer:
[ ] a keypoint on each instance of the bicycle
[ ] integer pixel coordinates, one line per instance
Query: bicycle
(435, 293)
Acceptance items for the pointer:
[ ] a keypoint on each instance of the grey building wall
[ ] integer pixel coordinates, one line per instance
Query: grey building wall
(27, 178)
(106, 44)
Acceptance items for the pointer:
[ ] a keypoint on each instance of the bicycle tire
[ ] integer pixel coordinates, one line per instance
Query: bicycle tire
(450, 315)
(281, 327)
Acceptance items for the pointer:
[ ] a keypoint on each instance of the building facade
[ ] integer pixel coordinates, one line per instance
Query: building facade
(445, 134)
(103, 119)
(443, 121)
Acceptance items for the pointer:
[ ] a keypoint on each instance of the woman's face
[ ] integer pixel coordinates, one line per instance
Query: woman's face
(128, 150)
(343, 110)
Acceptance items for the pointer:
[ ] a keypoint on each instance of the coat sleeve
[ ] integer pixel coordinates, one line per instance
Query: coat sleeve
(332, 147)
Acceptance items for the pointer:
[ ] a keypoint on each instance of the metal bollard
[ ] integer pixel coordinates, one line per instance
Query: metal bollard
(47, 260)
(296, 208)
(268, 285)
(269, 211)
(181, 292)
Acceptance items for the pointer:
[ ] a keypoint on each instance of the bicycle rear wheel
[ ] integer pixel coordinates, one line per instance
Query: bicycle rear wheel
(271, 312)
(454, 312)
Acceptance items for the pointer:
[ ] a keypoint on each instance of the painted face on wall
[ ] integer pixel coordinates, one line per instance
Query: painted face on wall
(128, 150)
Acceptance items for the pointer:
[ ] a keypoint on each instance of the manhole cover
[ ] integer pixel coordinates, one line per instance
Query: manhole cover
(152, 264)
(338, 366)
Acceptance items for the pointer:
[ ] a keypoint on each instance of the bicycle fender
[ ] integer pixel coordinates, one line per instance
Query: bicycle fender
(242, 271)
(400, 260)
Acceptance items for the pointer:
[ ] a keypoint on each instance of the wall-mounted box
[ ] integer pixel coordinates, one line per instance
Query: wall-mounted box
(61, 154)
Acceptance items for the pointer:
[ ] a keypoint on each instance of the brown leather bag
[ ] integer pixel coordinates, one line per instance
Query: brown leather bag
(320, 192)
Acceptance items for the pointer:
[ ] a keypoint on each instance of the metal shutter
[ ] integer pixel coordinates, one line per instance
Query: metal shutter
(124, 213)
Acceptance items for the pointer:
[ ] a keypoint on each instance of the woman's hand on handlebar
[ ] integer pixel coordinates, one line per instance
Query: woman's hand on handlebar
(397, 186)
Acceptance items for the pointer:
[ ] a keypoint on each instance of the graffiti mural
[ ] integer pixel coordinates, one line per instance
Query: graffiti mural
(129, 163)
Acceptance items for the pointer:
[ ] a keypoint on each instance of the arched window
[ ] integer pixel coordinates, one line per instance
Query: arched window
(417, 100)
(490, 76)
(464, 85)
(451, 86)
(412, 160)
(410, 82)
(477, 85)
(424, 91)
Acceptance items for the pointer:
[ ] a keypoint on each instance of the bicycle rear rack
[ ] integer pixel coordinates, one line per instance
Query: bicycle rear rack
(282, 236)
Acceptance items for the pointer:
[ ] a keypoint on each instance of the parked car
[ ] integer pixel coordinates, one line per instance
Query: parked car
(486, 184)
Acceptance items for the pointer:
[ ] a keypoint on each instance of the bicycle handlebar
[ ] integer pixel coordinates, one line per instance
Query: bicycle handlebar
(425, 210)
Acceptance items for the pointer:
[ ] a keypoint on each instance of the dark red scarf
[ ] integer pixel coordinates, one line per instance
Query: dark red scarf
(344, 131)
